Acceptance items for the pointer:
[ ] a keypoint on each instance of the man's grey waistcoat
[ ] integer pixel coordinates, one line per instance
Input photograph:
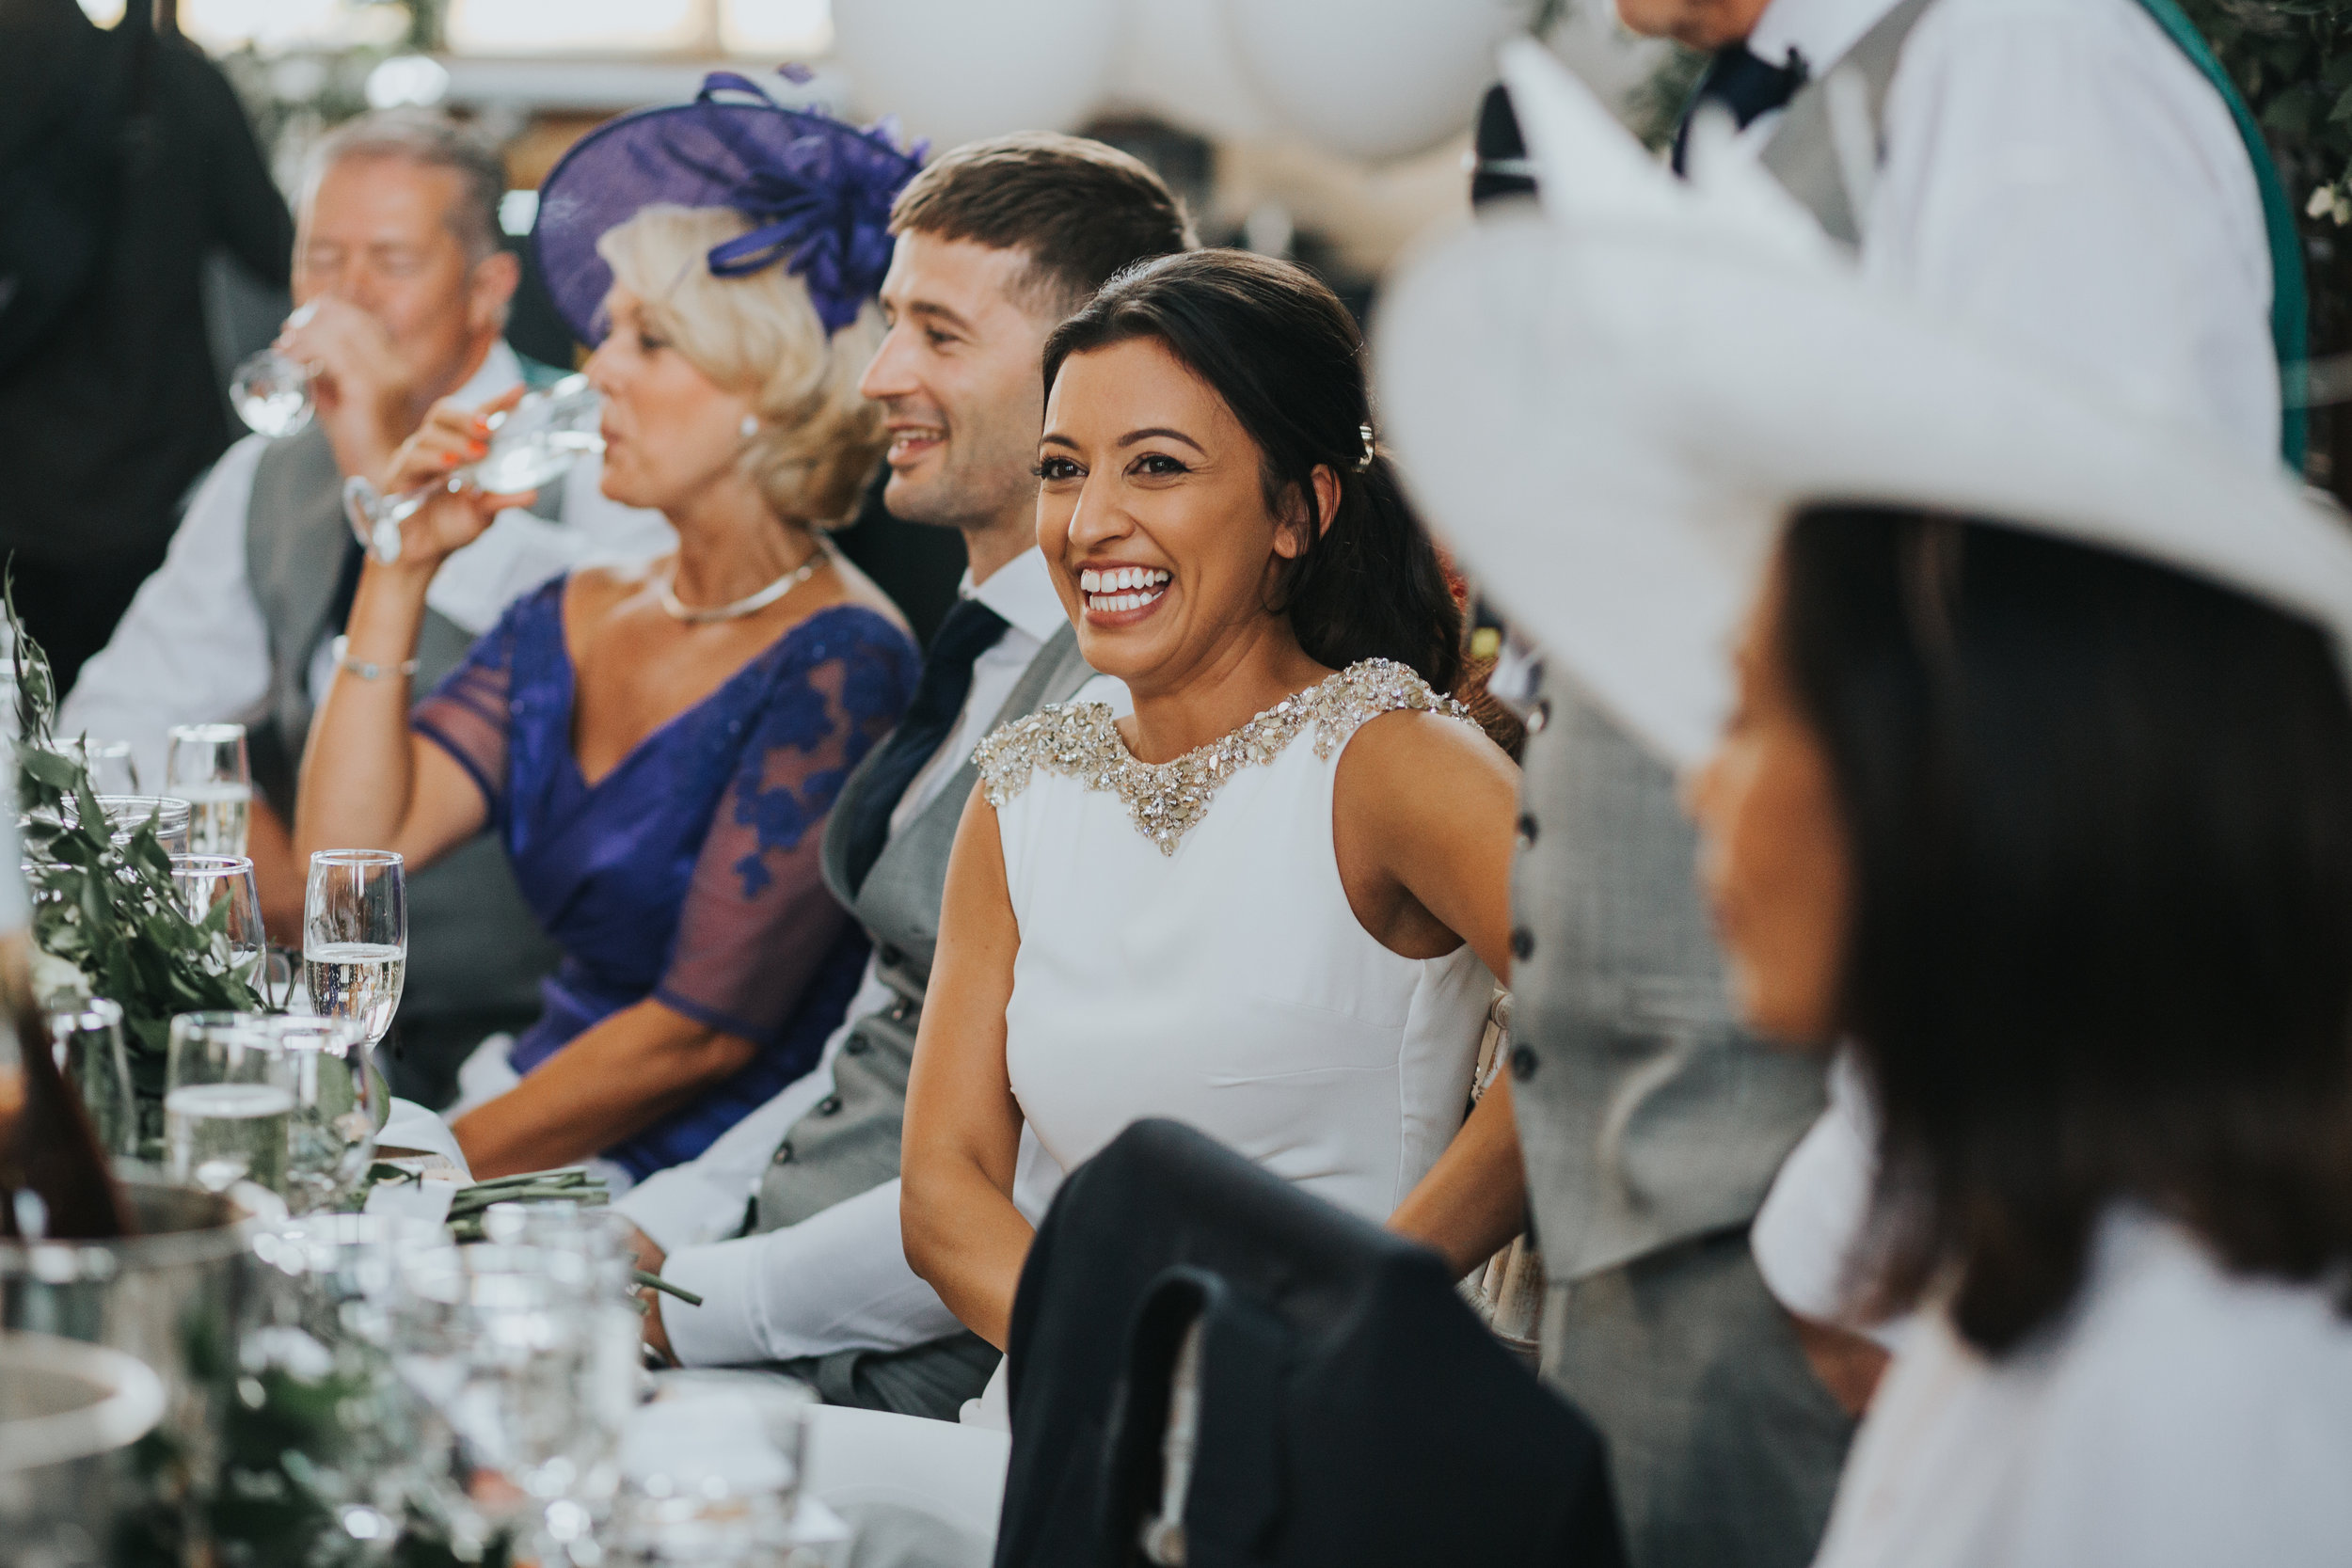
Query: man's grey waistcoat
(474, 945)
(849, 1143)
(1647, 1116)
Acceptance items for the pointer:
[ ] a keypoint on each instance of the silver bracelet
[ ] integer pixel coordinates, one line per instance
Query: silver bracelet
(365, 671)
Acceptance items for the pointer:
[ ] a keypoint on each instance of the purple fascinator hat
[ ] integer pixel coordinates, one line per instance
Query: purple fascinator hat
(817, 193)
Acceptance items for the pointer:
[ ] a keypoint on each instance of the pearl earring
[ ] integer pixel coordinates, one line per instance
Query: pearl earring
(751, 426)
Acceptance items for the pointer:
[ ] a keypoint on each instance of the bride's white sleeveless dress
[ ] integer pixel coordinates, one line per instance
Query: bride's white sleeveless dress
(1188, 951)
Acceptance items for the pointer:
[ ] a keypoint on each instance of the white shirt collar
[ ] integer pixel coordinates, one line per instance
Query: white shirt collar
(1819, 30)
(1021, 591)
(500, 370)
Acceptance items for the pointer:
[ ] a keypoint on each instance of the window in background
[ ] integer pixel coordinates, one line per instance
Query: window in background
(777, 29)
(576, 27)
(274, 27)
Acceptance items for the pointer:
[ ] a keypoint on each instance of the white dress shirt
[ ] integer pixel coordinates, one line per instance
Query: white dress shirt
(2059, 174)
(2176, 1415)
(194, 648)
(838, 1280)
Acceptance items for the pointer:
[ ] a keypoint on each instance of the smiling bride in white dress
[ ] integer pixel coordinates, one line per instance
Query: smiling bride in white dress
(1271, 904)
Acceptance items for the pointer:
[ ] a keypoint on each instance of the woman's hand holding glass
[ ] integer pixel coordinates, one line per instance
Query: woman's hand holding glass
(427, 509)
(463, 467)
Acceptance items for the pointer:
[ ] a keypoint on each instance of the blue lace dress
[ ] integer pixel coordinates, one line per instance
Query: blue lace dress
(689, 874)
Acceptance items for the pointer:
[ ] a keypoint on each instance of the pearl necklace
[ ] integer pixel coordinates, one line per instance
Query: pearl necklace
(750, 604)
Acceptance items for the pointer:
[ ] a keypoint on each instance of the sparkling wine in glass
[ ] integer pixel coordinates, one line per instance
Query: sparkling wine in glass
(226, 1104)
(207, 768)
(530, 444)
(354, 937)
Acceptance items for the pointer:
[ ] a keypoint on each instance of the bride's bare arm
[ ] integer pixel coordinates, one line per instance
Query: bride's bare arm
(962, 1131)
(1423, 815)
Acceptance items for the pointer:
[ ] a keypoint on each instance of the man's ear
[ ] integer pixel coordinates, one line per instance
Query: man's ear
(1290, 533)
(492, 288)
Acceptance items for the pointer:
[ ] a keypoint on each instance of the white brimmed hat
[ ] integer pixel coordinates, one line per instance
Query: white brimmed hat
(1613, 406)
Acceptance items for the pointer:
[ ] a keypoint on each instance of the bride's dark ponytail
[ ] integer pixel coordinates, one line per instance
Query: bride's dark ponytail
(1286, 357)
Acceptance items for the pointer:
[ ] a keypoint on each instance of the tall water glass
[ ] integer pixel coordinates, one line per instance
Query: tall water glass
(331, 1134)
(87, 1034)
(317, 1336)
(221, 888)
(710, 1473)
(207, 768)
(531, 1367)
(226, 1104)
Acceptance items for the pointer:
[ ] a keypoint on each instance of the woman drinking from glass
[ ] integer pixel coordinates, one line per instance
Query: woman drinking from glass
(657, 750)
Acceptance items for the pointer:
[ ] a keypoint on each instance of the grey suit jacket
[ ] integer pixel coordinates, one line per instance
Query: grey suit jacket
(1647, 1116)
(849, 1142)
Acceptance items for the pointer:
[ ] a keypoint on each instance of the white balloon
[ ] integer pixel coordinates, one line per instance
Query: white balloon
(1373, 79)
(957, 70)
(1176, 60)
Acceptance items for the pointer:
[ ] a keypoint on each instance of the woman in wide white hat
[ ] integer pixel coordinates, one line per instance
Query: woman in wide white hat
(2016, 725)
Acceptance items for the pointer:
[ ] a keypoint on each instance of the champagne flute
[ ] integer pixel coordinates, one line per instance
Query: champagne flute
(271, 392)
(241, 947)
(530, 443)
(207, 766)
(226, 1104)
(354, 937)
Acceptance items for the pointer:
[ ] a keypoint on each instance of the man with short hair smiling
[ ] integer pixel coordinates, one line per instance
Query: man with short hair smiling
(402, 290)
(997, 241)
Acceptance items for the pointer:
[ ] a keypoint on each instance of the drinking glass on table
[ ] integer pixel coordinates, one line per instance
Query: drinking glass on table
(530, 443)
(226, 1103)
(112, 769)
(354, 937)
(530, 1364)
(127, 814)
(221, 889)
(207, 768)
(87, 1034)
(331, 1134)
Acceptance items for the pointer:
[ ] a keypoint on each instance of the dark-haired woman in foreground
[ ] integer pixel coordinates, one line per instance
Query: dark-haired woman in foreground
(1269, 903)
(2030, 784)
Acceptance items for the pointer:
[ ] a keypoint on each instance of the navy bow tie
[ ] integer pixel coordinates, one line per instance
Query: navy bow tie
(1743, 82)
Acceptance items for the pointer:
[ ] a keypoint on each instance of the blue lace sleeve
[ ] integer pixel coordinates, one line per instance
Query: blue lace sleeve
(757, 921)
(469, 715)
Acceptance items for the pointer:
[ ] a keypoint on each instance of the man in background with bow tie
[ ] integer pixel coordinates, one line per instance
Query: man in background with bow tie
(2071, 175)
(787, 1226)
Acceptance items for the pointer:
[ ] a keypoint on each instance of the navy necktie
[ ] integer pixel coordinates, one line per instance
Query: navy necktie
(1744, 84)
(968, 630)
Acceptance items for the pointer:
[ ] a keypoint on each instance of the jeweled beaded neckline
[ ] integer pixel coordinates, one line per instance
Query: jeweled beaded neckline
(1165, 800)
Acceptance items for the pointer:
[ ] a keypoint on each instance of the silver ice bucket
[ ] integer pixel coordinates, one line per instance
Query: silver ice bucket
(68, 1412)
(171, 1298)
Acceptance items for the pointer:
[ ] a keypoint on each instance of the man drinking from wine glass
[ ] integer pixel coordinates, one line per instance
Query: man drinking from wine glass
(401, 292)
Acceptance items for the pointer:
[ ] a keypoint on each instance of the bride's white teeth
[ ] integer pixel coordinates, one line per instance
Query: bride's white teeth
(1089, 582)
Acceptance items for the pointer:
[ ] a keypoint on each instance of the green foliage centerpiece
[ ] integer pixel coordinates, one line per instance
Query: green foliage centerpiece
(109, 909)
